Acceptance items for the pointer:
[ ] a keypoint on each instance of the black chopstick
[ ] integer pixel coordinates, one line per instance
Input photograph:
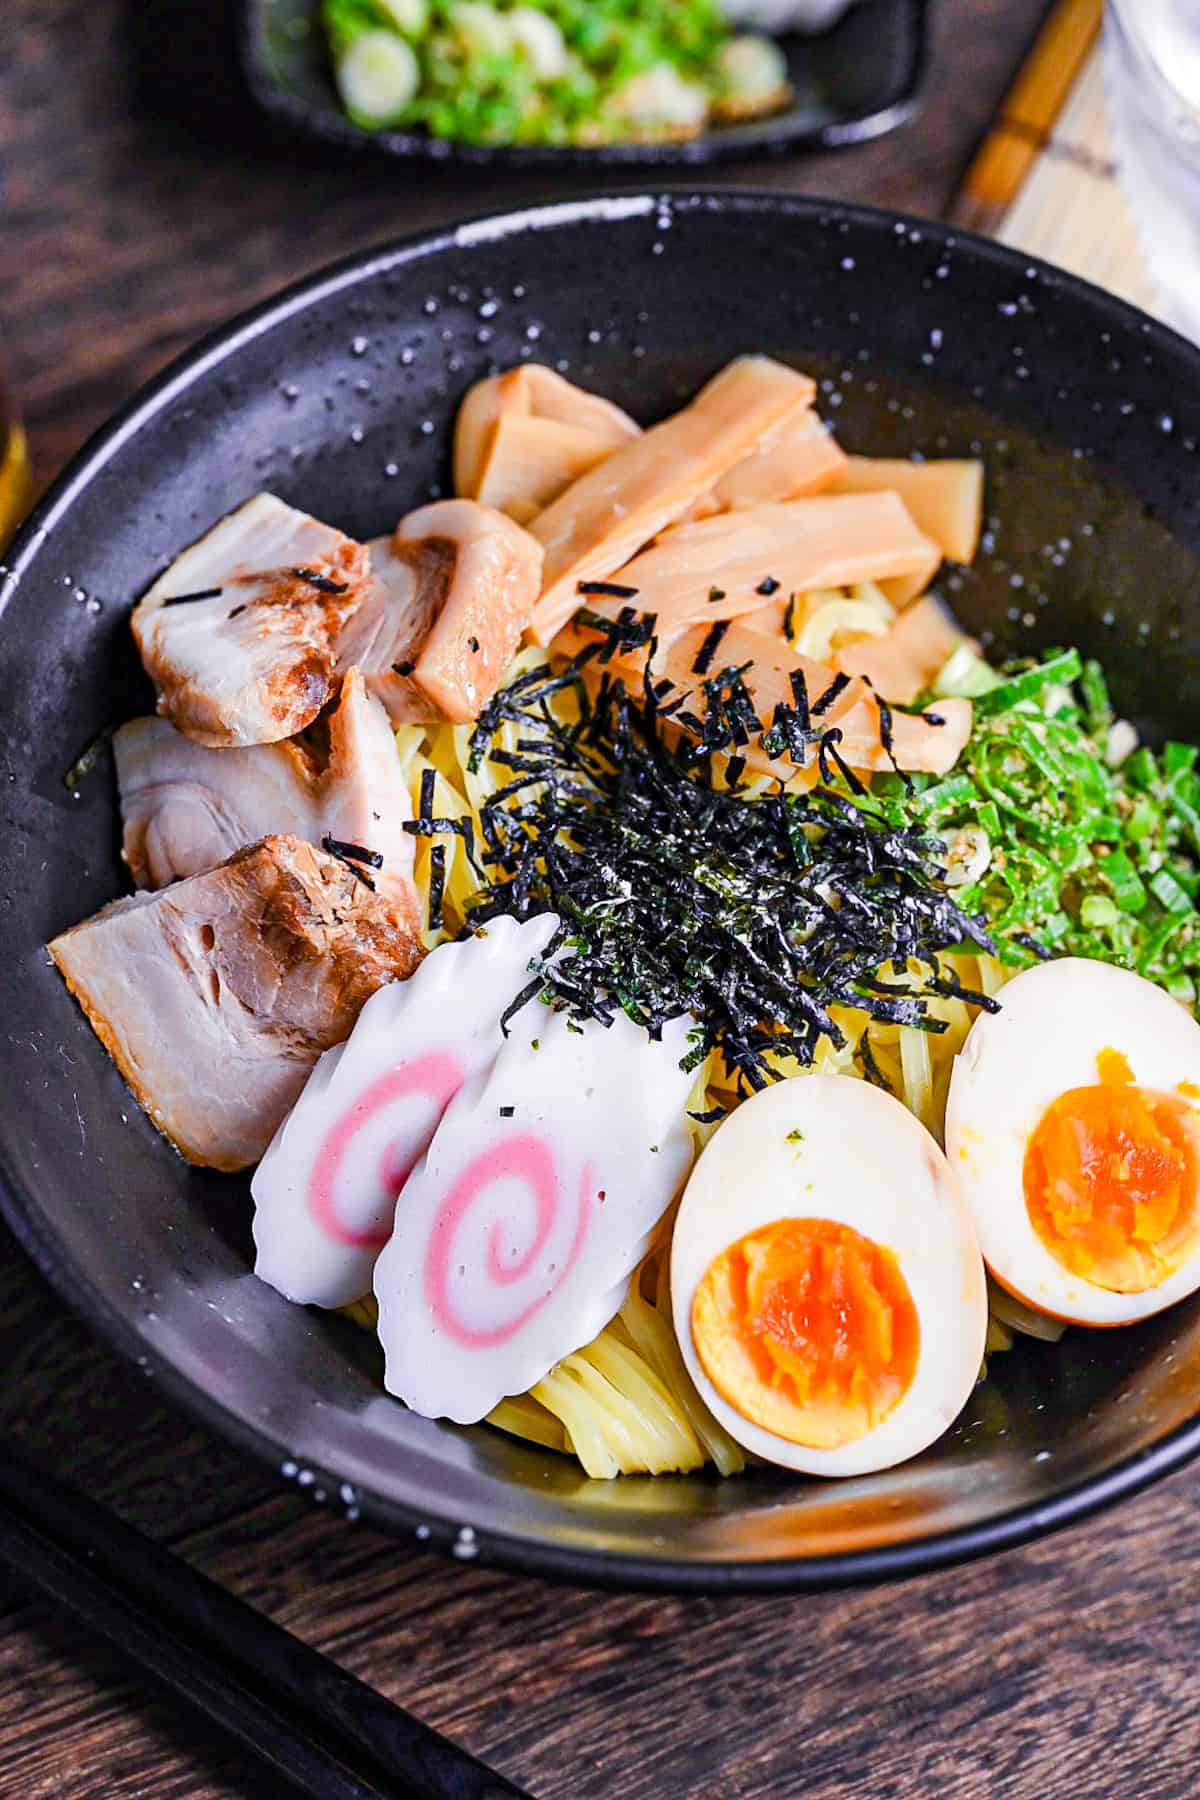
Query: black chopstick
(326, 1732)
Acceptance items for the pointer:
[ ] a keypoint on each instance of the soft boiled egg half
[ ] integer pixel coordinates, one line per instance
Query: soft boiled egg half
(827, 1287)
(1073, 1124)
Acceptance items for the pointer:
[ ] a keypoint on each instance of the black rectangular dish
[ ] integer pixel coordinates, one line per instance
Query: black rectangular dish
(858, 80)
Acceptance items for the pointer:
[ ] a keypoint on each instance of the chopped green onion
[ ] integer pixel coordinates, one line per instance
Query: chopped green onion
(1176, 758)
(1141, 769)
(1167, 891)
(1143, 820)
(1128, 888)
(964, 675)
(1029, 684)
(411, 17)
(1097, 911)
(377, 78)
(1097, 704)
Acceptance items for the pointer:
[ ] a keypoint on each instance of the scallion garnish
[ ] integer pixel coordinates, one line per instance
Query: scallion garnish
(1083, 859)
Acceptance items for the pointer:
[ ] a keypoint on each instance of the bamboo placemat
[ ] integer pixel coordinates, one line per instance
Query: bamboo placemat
(1045, 179)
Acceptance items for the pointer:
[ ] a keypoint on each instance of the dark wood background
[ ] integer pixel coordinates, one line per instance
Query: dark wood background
(145, 203)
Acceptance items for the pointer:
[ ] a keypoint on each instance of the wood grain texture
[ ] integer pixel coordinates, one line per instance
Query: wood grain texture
(1058, 1672)
(146, 200)
(145, 204)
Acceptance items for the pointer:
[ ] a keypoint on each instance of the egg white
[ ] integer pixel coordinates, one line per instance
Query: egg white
(1055, 1019)
(866, 1162)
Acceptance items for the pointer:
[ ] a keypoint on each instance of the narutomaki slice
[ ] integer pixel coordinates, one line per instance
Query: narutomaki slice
(516, 1234)
(325, 1192)
(238, 635)
(945, 497)
(215, 996)
(904, 661)
(607, 515)
(718, 568)
(528, 392)
(187, 808)
(802, 457)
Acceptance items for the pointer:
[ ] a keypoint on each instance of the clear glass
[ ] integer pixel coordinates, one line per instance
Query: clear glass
(1152, 64)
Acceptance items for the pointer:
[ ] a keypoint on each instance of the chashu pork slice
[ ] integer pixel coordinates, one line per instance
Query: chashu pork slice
(383, 636)
(187, 808)
(216, 996)
(453, 593)
(239, 634)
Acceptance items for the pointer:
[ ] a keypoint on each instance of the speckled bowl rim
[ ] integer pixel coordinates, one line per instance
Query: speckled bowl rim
(531, 1555)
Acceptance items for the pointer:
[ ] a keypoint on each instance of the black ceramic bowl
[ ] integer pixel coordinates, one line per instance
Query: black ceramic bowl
(858, 79)
(339, 396)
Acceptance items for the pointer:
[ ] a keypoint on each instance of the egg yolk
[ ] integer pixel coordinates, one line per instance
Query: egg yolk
(807, 1328)
(1110, 1181)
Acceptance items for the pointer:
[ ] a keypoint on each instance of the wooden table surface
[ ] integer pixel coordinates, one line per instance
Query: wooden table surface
(145, 204)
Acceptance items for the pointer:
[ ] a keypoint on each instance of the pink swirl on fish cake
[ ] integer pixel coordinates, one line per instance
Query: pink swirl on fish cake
(438, 1078)
(524, 1158)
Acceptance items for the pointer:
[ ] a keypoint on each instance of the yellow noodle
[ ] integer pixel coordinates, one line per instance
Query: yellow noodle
(525, 1417)
(622, 1404)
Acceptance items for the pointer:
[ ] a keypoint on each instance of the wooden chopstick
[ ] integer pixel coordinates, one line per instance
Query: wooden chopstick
(1025, 121)
(326, 1732)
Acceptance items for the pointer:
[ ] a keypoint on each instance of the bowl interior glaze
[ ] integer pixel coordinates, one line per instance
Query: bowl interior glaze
(339, 397)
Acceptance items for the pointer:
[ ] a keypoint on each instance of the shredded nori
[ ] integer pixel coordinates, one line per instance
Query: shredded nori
(403, 668)
(755, 916)
(709, 648)
(213, 593)
(768, 586)
(349, 854)
(352, 852)
(437, 885)
(324, 584)
(613, 589)
(836, 688)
